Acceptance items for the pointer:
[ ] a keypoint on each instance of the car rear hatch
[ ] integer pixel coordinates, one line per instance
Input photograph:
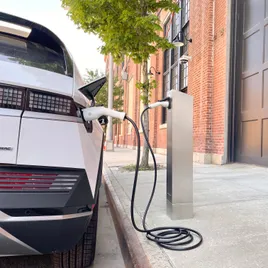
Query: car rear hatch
(16, 117)
(41, 150)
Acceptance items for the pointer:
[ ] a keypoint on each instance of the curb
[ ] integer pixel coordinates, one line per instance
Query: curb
(131, 248)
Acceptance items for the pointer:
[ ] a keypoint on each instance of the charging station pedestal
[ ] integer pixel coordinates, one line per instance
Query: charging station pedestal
(180, 156)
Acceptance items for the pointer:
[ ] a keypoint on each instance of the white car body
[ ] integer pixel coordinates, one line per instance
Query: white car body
(44, 145)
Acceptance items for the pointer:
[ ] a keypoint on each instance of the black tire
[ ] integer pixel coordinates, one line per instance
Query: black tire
(83, 254)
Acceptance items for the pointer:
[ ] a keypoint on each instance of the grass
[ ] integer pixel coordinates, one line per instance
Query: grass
(132, 167)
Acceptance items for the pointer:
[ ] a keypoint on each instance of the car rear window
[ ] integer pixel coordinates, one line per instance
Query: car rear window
(28, 53)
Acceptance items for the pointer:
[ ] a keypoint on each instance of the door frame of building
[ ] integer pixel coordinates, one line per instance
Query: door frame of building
(234, 77)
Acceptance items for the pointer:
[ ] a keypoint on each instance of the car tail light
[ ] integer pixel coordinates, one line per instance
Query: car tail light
(50, 103)
(36, 182)
(11, 97)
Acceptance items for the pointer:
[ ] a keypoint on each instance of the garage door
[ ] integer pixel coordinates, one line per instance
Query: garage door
(252, 105)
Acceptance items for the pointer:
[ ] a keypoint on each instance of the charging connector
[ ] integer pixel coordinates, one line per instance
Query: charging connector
(93, 113)
(166, 103)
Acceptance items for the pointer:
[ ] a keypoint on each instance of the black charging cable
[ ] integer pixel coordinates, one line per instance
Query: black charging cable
(173, 238)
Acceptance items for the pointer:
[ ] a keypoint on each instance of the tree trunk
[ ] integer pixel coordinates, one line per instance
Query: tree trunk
(145, 152)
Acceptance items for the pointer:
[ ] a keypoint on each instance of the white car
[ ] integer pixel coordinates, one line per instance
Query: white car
(50, 157)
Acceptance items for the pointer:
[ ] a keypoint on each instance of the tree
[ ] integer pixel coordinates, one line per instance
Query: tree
(126, 27)
(102, 96)
(92, 75)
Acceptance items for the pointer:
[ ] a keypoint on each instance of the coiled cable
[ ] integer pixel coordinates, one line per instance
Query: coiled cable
(173, 238)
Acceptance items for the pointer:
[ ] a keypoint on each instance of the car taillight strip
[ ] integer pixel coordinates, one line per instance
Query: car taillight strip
(21, 182)
(37, 101)
(11, 98)
(48, 103)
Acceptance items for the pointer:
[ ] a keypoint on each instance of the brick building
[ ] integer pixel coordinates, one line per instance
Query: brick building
(227, 76)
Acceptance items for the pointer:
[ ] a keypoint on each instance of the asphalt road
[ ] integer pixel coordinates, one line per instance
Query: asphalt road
(108, 252)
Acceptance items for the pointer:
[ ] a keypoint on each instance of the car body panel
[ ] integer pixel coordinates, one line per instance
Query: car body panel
(92, 156)
(78, 82)
(9, 135)
(64, 233)
(50, 143)
(12, 246)
(66, 145)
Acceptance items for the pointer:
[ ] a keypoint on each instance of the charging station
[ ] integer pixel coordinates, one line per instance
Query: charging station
(179, 170)
(180, 156)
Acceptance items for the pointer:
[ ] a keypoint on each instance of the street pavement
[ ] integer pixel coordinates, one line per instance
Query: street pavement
(108, 252)
(230, 211)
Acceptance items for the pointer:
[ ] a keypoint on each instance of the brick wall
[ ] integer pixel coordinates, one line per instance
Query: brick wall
(201, 72)
(207, 74)
(207, 82)
(219, 77)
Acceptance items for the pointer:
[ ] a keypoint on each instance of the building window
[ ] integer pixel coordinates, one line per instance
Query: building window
(175, 76)
(184, 77)
(185, 16)
(171, 57)
(185, 11)
(166, 60)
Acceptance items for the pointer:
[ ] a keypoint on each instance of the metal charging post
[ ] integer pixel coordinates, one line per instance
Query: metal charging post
(180, 156)
(109, 137)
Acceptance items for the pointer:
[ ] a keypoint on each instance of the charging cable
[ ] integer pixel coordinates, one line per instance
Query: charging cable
(173, 238)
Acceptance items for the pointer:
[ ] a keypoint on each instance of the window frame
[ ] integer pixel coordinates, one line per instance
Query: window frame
(185, 23)
(182, 22)
(168, 70)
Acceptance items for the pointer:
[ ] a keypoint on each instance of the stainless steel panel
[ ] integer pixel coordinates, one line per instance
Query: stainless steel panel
(180, 156)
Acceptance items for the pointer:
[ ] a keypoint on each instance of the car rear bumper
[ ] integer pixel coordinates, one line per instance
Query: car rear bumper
(43, 210)
(44, 190)
(35, 235)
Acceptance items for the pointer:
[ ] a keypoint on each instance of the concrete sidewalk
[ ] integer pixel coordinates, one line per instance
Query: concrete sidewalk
(230, 205)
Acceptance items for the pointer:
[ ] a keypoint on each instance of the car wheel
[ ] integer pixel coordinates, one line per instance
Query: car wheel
(83, 254)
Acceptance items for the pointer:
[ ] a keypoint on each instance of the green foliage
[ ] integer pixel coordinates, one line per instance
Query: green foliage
(92, 75)
(146, 89)
(126, 27)
(102, 96)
